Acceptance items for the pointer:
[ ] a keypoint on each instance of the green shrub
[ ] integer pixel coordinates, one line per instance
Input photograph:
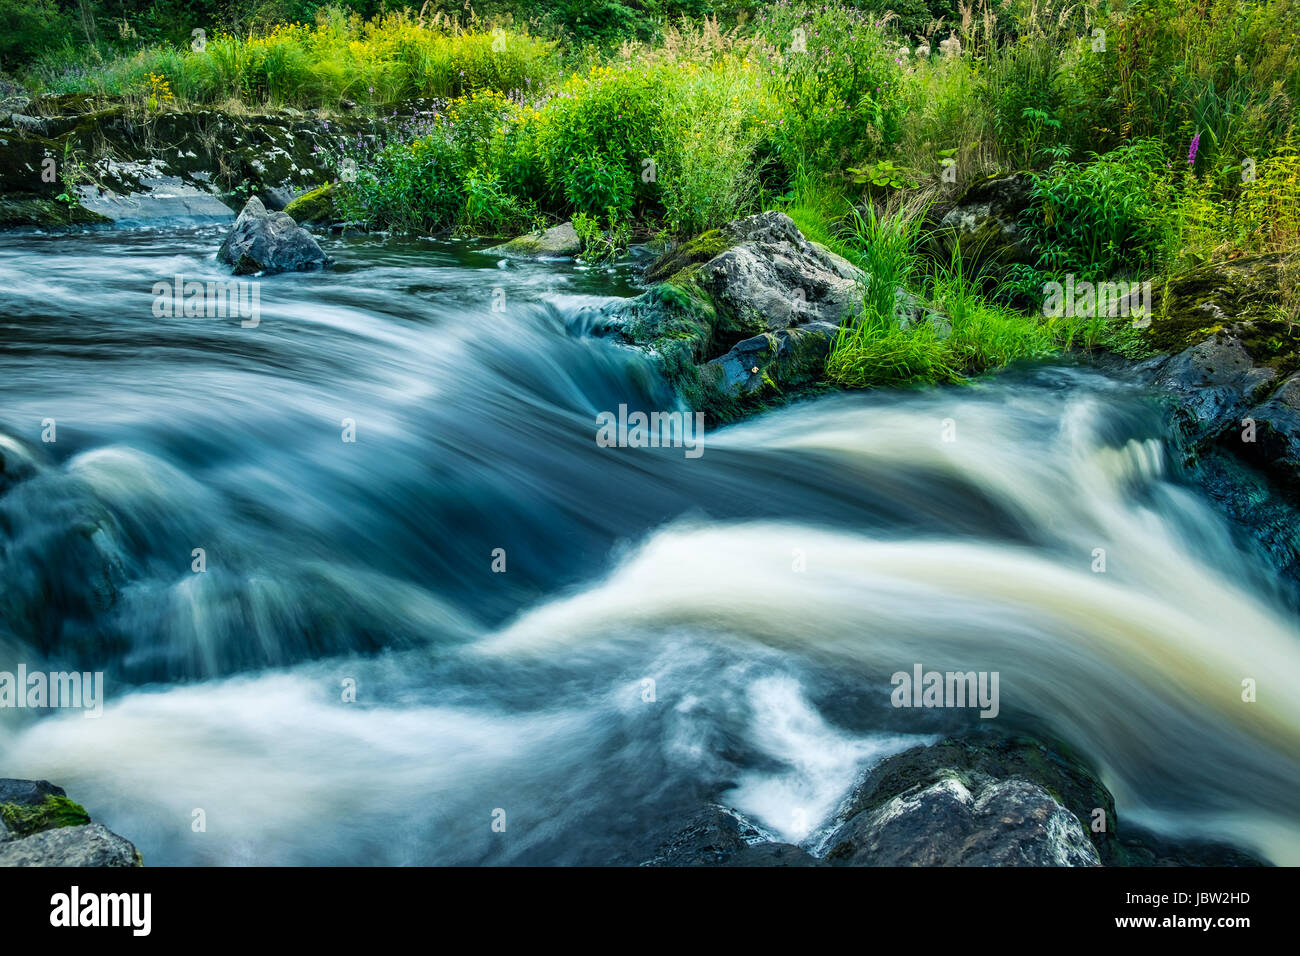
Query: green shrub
(840, 97)
(596, 134)
(1113, 216)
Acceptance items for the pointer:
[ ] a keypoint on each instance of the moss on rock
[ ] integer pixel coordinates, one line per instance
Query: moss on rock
(50, 814)
(1251, 292)
(315, 207)
(699, 250)
(45, 214)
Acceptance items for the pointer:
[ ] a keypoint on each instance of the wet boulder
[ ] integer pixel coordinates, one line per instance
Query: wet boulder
(1270, 435)
(1212, 384)
(268, 243)
(973, 822)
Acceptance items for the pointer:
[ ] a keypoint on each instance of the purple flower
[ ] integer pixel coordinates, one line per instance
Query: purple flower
(1191, 153)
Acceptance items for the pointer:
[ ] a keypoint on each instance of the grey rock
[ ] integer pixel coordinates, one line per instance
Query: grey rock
(752, 294)
(146, 192)
(27, 792)
(953, 822)
(30, 124)
(773, 278)
(89, 845)
(561, 240)
(269, 242)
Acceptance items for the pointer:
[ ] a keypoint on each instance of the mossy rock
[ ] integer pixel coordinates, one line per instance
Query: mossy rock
(561, 240)
(46, 214)
(1251, 292)
(50, 814)
(315, 208)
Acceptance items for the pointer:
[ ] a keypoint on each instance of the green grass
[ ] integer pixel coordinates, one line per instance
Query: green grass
(960, 333)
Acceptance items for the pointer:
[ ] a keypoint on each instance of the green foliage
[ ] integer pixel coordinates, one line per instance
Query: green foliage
(29, 28)
(925, 323)
(1226, 68)
(341, 57)
(838, 85)
(600, 245)
(1110, 217)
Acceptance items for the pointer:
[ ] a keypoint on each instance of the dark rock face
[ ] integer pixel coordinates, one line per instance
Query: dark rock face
(1226, 368)
(1277, 434)
(1214, 383)
(40, 826)
(743, 315)
(986, 222)
(27, 792)
(269, 243)
(992, 823)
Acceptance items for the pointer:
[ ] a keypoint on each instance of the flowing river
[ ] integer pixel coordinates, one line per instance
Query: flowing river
(586, 642)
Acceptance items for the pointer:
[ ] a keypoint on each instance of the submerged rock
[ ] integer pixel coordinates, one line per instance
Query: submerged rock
(561, 240)
(269, 242)
(719, 837)
(982, 799)
(40, 826)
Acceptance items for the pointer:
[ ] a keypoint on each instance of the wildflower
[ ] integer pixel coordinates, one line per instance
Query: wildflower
(1191, 153)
